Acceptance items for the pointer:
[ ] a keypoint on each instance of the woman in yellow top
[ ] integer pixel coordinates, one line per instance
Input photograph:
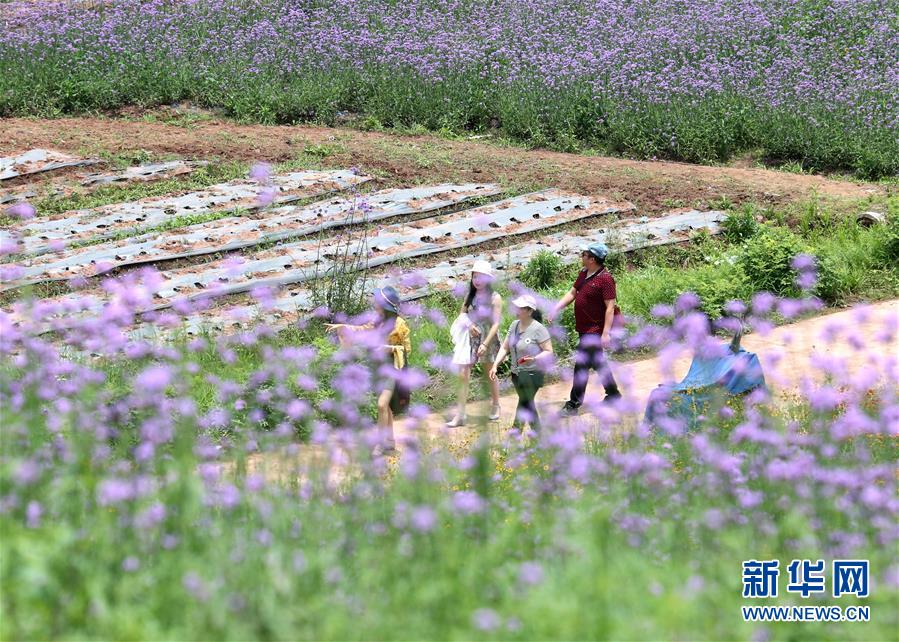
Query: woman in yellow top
(392, 398)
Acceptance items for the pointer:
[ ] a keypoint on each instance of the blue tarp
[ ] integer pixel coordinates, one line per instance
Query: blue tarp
(731, 374)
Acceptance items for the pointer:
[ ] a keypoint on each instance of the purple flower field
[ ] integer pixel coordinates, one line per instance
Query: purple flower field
(161, 491)
(812, 82)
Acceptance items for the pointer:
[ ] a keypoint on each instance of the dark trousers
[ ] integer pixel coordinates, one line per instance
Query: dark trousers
(527, 384)
(589, 355)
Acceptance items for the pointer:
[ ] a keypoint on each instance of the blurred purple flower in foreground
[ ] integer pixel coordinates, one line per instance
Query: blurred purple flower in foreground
(21, 211)
(261, 172)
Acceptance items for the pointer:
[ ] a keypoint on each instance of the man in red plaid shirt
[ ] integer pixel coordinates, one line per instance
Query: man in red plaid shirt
(593, 295)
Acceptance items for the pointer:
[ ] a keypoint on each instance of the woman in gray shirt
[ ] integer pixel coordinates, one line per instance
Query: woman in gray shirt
(528, 342)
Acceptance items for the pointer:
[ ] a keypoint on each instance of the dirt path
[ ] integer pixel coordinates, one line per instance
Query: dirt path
(787, 353)
(653, 186)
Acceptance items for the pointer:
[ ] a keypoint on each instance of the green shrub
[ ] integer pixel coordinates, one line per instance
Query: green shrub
(766, 259)
(616, 262)
(740, 225)
(640, 290)
(543, 271)
(886, 238)
(716, 284)
(812, 218)
(856, 262)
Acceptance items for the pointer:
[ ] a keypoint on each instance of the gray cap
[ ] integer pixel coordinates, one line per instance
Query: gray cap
(388, 298)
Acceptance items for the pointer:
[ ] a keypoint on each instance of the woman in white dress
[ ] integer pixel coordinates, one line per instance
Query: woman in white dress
(484, 308)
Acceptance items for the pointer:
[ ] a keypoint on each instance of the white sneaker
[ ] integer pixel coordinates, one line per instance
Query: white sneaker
(494, 413)
(456, 421)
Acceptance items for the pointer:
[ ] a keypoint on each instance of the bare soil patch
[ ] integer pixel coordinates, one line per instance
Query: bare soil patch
(652, 186)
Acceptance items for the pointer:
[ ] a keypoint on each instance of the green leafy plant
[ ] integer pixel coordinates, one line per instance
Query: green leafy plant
(886, 245)
(543, 271)
(813, 217)
(740, 225)
(766, 258)
(723, 202)
(322, 150)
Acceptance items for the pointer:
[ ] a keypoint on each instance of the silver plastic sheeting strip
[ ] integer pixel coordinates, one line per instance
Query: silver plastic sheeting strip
(288, 306)
(47, 233)
(90, 182)
(11, 196)
(36, 161)
(143, 173)
(623, 236)
(306, 260)
(236, 232)
(296, 262)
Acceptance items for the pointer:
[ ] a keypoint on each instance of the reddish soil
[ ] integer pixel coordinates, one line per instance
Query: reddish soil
(652, 186)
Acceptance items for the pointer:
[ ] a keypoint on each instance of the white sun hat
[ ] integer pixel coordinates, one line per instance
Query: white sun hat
(525, 301)
(482, 267)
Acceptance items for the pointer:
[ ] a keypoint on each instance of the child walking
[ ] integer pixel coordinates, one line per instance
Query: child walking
(389, 322)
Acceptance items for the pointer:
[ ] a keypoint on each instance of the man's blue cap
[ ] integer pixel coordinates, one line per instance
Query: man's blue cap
(599, 250)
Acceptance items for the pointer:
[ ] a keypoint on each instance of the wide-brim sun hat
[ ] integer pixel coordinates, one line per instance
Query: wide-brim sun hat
(598, 250)
(483, 267)
(525, 301)
(388, 298)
